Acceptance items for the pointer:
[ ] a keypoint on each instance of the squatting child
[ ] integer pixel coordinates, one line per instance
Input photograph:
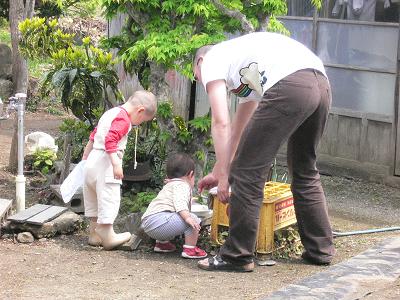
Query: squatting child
(103, 169)
(168, 215)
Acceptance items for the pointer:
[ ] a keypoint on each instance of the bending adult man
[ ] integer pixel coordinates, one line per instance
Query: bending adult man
(285, 96)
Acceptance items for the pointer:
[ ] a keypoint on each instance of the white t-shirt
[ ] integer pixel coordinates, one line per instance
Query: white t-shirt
(253, 63)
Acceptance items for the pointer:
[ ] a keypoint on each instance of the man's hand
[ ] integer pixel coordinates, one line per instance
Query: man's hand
(207, 182)
(223, 190)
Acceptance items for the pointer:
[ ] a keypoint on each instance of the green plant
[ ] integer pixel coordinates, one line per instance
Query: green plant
(38, 67)
(40, 38)
(54, 111)
(137, 203)
(5, 36)
(81, 76)
(79, 132)
(4, 9)
(57, 8)
(43, 160)
(287, 243)
(162, 35)
(166, 134)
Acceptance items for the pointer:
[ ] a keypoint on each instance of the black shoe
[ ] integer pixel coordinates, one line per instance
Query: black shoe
(315, 261)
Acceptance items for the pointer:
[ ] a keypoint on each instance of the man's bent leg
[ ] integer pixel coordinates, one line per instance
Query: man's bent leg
(309, 198)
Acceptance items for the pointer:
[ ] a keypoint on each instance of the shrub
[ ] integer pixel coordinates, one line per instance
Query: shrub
(43, 160)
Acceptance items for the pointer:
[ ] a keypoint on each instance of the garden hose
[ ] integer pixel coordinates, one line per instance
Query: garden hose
(339, 234)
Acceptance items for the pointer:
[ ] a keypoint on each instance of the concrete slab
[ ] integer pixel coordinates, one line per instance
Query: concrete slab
(24, 215)
(46, 215)
(353, 279)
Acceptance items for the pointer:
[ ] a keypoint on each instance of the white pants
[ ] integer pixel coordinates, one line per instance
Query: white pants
(101, 192)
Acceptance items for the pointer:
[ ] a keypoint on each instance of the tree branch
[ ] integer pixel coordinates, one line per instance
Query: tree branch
(262, 22)
(246, 25)
(139, 18)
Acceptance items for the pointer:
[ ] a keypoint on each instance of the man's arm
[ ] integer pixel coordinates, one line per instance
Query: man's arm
(221, 133)
(243, 114)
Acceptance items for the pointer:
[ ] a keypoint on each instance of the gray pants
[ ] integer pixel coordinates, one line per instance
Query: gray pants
(293, 110)
(164, 226)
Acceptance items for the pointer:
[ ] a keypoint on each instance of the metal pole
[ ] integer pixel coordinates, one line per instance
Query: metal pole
(20, 179)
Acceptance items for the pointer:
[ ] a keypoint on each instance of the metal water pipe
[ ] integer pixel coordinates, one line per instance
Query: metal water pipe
(20, 179)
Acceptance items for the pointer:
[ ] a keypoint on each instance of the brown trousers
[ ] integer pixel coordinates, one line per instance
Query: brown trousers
(293, 110)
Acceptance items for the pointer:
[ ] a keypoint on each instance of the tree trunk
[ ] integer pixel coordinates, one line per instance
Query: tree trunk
(158, 85)
(18, 12)
(20, 70)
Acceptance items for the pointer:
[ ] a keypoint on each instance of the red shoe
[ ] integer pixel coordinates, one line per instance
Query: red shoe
(195, 252)
(164, 247)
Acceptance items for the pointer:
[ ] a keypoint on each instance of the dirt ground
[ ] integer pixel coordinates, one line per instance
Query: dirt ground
(66, 268)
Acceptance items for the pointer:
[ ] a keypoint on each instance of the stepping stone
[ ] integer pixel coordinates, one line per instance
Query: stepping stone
(38, 214)
(355, 278)
(24, 215)
(49, 214)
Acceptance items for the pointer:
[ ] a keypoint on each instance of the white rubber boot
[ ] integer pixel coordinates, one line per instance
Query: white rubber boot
(110, 239)
(94, 239)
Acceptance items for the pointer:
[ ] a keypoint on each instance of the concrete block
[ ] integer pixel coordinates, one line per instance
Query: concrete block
(76, 204)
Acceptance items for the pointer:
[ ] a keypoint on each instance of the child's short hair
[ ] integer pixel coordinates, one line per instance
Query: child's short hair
(179, 165)
(145, 98)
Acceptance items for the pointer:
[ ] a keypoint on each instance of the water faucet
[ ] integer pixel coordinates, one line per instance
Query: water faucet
(12, 105)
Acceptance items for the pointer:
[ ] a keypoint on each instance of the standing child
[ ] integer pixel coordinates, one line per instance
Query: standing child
(168, 215)
(103, 169)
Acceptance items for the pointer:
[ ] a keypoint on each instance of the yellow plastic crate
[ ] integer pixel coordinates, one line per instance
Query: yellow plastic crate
(276, 212)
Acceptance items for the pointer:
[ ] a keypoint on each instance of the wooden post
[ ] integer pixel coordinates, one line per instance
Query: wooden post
(67, 157)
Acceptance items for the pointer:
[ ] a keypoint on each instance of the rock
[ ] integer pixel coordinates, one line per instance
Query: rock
(38, 140)
(6, 88)
(5, 61)
(66, 223)
(132, 244)
(268, 262)
(133, 222)
(8, 236)
(42, 240)
(25, 237)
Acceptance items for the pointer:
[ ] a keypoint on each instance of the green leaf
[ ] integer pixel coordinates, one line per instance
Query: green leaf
(45, 170)
(95, 74)
(72, 75)
(48, 162)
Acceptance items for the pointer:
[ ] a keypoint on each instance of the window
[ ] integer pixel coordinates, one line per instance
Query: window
(359, 10)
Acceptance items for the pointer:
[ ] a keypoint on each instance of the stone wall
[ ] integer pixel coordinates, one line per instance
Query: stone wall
(6, 87)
